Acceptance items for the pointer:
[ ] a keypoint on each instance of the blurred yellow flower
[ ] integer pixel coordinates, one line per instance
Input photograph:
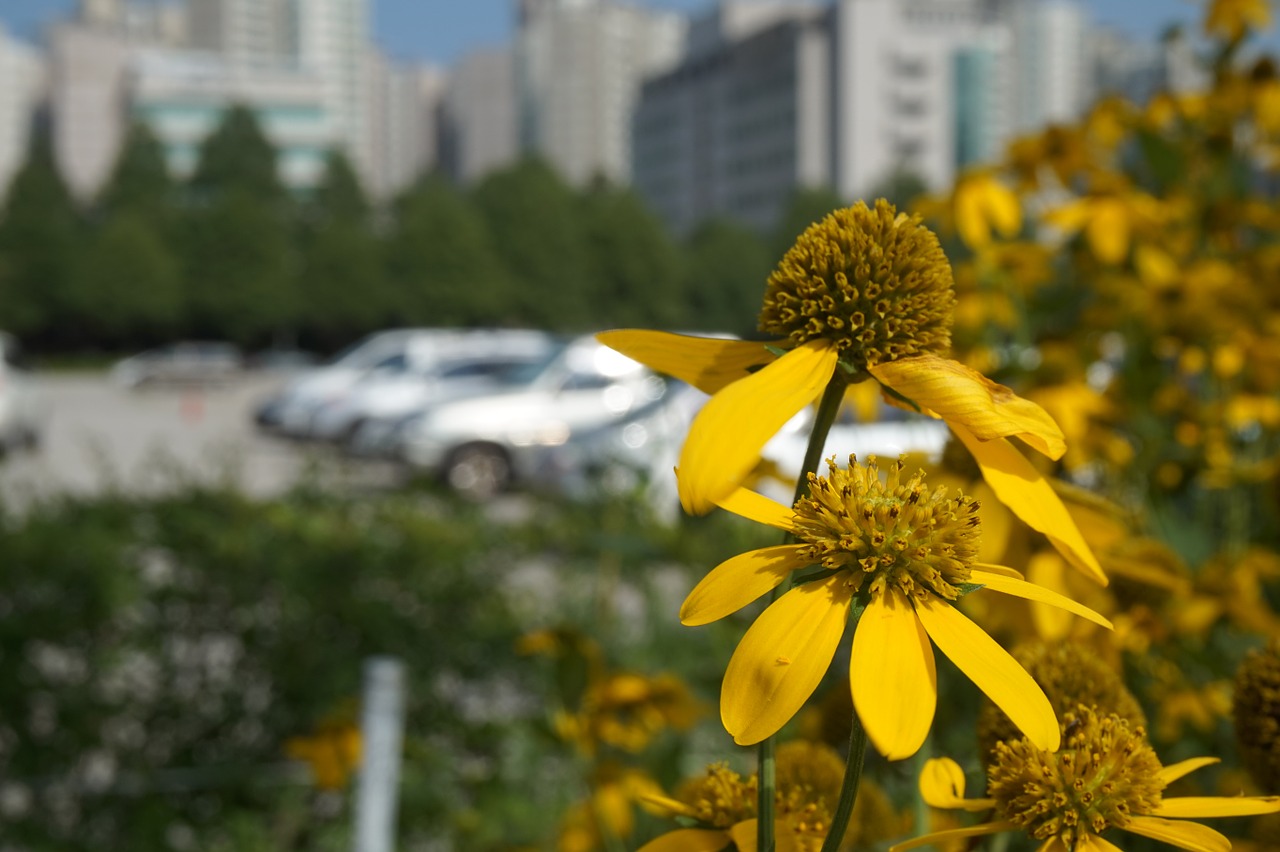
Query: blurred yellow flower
(1231, 19)
(983, 204)
(332, 752)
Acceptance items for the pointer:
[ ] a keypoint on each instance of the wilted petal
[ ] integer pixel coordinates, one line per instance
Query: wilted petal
(727, 435)
(891, 670)
(707, 363)
(738, 581)
(958, 394)
(992, 670)
(782, 657)
(1029, 495)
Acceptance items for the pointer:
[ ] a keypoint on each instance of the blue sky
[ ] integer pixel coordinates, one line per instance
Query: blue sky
(439, 31)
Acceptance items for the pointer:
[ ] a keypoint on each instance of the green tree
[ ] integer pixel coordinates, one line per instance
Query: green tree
(538, 231)
(806, 206)
(726, 265)
(442, 262)
(342, 284)
(130, 289)
(40, 231)
(633, 265)
(237, 155)
(140, 182)
(900, 187)
(238, 238)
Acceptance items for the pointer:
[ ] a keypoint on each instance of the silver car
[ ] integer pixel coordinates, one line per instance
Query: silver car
(476, 445)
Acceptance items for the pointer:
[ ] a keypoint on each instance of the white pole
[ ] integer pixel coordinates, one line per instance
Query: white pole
(381, 735)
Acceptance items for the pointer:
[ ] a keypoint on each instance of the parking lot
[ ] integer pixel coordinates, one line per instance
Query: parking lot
(100, 436)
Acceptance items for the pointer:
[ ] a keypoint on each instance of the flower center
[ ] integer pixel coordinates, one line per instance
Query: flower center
(873, 281)
(1257, 714)
(1104, 773)
(721, 798)
(889, 532)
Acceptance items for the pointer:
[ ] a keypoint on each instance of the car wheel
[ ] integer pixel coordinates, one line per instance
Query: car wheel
(478, 471)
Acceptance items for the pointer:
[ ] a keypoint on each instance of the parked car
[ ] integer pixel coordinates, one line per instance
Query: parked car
(475, 445)
(481, 366)
(638, 453)
(292, 409)
(21, 413)
(184, 363)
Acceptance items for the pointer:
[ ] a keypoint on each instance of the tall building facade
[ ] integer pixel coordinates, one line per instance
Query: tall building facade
(479, 115)
(579, 65)
(21, 88)
(742, 122)
(864, 89)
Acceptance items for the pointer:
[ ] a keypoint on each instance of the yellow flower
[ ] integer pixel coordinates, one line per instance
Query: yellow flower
(1106, 776)
(607, 816)
(1231, 19)
(982, 203)
(903, 552)
(332, 753)
(864, 292)
(723, 804)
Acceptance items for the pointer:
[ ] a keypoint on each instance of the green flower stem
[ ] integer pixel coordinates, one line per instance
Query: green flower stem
(848, 787)
(766, 770)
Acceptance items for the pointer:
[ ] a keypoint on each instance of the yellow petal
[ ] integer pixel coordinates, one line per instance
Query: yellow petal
(942, 786)
(1088, 843)
(756, 507)
(781, 659)
(1032, 592)
(726, 437)
(1204, 807)
(1002, 570)
(1108, 230)
(1029, 495)
(1174, 771)
(991, 668)
(939, 837)
(1047, 568)
(744, 835)
(707, 363)
(736, 582)
(1191, 836)
(688, 840)
(891, 671)
(958, 394)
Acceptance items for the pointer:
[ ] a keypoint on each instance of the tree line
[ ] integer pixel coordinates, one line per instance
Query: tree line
(231, 254)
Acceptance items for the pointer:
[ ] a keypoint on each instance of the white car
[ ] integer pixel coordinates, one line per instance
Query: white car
(294, 410)
(187, 362)
(475, 445)
(394, 394)
(21, 412)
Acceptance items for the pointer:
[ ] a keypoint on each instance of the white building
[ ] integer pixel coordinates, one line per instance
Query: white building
(478, 118)
(404, 104)
(862, 89)
(183, 95)
(579, 64)
(743, 121)
(21, 84)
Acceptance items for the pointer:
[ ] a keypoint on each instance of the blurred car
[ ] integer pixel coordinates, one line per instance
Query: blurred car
(476, 445)
(292, 409)
(637, 454)
(188, 362)
(391, 394)
(21, 412)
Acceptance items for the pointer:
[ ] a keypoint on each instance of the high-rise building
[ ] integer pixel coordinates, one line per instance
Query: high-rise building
(743, 122)
(21, 84)
(579, 64)
(404, 109)
(478, 115)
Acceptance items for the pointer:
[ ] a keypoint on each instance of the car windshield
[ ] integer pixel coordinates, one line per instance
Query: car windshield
(523, 374)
